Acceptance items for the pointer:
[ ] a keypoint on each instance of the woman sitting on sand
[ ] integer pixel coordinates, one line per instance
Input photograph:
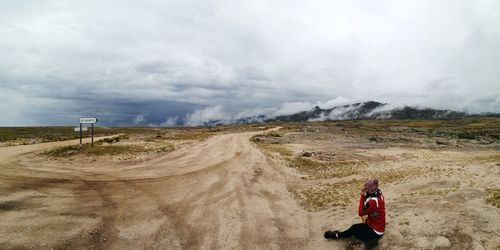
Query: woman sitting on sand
(372, 212)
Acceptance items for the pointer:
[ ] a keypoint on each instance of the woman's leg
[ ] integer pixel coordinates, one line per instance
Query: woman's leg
(360, 231)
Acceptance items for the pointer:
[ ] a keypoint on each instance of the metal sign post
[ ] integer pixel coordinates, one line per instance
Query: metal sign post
(87, 121)
(80, 133)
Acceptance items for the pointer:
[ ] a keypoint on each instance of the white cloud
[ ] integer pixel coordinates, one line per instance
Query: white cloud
(198, 117)
(247, 54)
(139, 119)
(219, 112)
(293, 107)
(170, 122)
(339, 101)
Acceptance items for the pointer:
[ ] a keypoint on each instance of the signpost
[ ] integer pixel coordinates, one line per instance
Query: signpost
(90, 120)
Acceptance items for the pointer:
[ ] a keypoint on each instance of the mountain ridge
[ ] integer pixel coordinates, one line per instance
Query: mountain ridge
(369, 110)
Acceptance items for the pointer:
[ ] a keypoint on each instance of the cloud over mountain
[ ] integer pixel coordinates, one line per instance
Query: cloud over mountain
(141, 63)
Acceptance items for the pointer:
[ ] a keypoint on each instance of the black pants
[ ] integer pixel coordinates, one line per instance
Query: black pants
(360, 231)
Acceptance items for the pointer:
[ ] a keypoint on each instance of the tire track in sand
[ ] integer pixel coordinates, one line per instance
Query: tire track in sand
(222, 193)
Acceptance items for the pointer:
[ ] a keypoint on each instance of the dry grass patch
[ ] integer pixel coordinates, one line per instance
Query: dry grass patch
(325, 170)
(276, 148)
(330, 195)
(494, 157)
(105, 150)
(435, 192)
(494, 197)
(98, 150)
(110, 147)
(113, 139)
(269, 148)
(342, 193)
(395, 176)
(313, 168)
(32, 135)
(185, 136)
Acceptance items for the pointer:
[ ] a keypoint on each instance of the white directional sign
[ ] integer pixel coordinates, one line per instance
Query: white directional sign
(88, 120)
(77, 129)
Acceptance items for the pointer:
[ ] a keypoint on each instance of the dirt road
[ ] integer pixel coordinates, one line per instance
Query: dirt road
(222, 193)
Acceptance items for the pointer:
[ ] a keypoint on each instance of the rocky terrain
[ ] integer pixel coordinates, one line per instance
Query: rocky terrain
(252, 187)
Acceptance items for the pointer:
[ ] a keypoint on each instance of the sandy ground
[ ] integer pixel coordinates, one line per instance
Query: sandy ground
(225, 193)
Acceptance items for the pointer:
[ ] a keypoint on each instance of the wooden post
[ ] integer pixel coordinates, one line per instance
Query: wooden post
(92, 134)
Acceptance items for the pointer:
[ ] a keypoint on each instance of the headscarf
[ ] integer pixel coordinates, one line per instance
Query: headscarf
(371, 186)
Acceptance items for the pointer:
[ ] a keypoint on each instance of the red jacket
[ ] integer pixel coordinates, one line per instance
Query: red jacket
(374, 207)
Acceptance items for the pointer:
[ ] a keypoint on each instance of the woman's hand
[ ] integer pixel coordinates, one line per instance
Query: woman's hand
(363, 218)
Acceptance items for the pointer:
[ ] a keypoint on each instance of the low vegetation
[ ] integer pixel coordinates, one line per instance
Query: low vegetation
(314, 169)
(109, 147)
(184, 136)
(330, 195)
(97, 150)
(324, 170)
(485, 129)
(32, 135)
(331, 179)
(276, 148)
(10, 136)
(494, 157)
(494, 197)
(317, 197)
(113, 139)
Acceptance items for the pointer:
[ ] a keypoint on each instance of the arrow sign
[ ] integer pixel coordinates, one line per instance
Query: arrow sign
(88, 120)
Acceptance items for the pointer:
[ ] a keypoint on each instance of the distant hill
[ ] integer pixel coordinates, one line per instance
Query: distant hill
(417, 113)
(369, 110)
(362, 110)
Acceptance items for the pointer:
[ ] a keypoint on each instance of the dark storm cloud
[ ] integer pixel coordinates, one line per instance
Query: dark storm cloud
(143, 113)
(151, 61)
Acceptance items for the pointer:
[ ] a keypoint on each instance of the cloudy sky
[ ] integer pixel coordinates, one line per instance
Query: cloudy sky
(162, 62)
